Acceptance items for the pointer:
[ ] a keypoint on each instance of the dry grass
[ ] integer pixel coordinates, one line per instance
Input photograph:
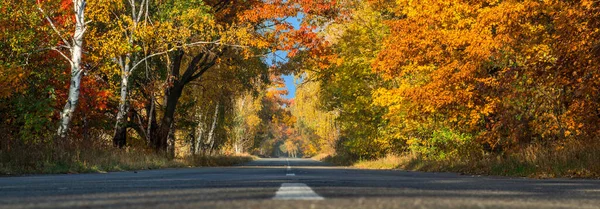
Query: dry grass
(387, 162)
(51, 160)
(215, 161)
(45, 159)
(320, 157)
(571, 160)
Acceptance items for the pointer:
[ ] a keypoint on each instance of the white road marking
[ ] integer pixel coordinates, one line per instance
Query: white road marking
(288, 171)
(296, 191)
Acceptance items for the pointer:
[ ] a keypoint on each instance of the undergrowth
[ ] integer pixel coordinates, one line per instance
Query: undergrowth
(60, 159)
(571, 160)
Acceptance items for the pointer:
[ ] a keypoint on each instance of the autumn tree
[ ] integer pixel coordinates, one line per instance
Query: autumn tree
(317, 126)
(247, 28)
(346, 84)
(73, 44)
(24, 73)
(505, 82)
(222, 102)
(246, 122)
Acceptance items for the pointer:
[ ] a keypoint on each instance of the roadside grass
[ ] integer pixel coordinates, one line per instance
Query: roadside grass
(57, 160)
(571, 160)
(216, 161)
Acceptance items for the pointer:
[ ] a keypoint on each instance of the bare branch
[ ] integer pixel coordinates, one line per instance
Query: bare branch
(63, 54)
(139, 17)
(54, 28)
(57, 49)
(183, 46)
(132, 3)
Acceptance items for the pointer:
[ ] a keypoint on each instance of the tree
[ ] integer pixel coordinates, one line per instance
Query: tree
(242, 28)
(316, 128)
(134, 33)
(75, 50)
(468, 67)
(347, 82)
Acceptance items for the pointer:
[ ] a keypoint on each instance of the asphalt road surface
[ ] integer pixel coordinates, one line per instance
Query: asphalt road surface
(292, 183)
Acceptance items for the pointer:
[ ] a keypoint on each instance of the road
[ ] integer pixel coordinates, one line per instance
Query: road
(292, 183)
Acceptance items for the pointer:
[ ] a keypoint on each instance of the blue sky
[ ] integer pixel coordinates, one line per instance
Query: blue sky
(289, 79)
(290, 85)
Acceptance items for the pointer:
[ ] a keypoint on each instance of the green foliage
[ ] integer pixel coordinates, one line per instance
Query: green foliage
(33, 114)
(347, 85)
(439, 144)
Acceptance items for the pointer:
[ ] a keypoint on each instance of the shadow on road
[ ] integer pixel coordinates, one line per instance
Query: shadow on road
(259, 180)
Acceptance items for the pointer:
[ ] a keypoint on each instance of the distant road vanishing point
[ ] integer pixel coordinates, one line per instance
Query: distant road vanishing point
(292, 183)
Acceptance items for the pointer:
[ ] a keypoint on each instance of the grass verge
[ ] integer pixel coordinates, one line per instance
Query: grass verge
(567, 161)
(52, 160)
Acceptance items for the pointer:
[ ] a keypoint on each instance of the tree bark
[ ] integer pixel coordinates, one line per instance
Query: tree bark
(171, 142)
(199, 131)
(172, 98)
(120, 135)
(195, 68)
(211, 133)
(151, 127)
(72, 100)
(127, 63)
(76, 70)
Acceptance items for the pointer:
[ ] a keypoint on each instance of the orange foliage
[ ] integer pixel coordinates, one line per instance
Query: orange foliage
(509, 72)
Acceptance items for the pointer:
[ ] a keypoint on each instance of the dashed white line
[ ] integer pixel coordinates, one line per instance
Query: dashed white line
(288, 171)
(296, 191)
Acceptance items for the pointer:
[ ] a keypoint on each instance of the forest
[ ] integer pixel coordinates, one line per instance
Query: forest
(502, 87)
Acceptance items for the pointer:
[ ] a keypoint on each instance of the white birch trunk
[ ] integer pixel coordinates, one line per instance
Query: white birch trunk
(127, 66)
(76, 70)
(150, 119)
(211, 133)
(241, 127)
(123, 107)
(200, 132)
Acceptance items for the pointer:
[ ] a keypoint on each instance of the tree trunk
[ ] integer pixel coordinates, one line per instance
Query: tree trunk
(211, 134)
(198, 136)
(192, 137)
(161, 136)
(120, 135)
(76, 70)
(151, 127)
(171, 142)
(67, 112)
(195, 68)
(127, 63)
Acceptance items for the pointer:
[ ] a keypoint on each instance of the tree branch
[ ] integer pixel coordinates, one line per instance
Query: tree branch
(183, 46)
(141, 12)
(63, 54)
(54, 28)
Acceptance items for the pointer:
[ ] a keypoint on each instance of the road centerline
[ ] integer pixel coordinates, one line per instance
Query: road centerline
(288, 171)
(296, 191)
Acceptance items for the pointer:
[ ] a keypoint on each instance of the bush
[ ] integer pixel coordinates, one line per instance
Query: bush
(443, 144)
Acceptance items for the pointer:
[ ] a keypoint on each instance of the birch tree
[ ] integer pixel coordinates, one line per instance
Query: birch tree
(133, 33)
(73, 55)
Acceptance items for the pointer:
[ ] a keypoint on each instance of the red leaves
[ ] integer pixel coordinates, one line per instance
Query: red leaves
(66, 5)
(317, 7)
(285, 36)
